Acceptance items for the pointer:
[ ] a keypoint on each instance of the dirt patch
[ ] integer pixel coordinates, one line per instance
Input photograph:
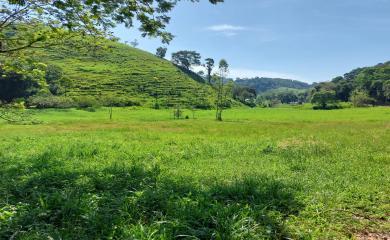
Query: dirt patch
(373, 236)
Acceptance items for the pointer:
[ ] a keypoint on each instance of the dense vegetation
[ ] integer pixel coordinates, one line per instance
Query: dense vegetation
(273, 174)
(362, 86)
(114, 71)
(265, 84)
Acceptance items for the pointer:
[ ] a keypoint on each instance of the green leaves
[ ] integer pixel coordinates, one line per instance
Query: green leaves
(92, 17)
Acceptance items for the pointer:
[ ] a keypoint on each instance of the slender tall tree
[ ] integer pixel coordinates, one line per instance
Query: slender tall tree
(209, 66)
(222, 91)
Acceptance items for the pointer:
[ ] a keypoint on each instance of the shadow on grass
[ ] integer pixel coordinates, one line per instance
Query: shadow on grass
(47, 200)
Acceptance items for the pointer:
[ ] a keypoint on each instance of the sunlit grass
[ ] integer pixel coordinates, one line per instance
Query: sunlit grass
(260, 174)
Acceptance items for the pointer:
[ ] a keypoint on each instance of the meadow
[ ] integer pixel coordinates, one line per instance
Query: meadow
(282, 173)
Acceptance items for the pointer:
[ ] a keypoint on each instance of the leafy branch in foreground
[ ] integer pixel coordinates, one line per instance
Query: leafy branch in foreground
(85, 17)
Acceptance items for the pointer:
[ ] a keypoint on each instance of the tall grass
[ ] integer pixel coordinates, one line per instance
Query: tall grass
(261, 174)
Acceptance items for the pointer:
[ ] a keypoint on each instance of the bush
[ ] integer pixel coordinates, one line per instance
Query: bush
(50, 101)
(84, 102)
(361, 99)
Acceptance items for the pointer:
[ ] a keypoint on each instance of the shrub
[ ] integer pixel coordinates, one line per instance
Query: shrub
(116, 101)
(361, 99)
(50, 101)
(84, 102)
(324, 100)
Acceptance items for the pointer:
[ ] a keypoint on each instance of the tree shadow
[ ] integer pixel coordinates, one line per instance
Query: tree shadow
(47, 199)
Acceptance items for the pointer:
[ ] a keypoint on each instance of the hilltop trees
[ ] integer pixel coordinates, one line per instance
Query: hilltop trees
(369, 84)
(134, 43)
(209, 67)
(186, 58)
(161, 52)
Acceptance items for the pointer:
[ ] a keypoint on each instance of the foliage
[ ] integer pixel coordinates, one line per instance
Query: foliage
(372, 80)
(161, 52)
(209, 64)
(245, 95)
(49, 101)
(186, 58)
(324, 99)
(120, 71)
(266, 84)
(224, 90)
(21, 78)
(84, 102)
(83, 17)
(283, 95)
(361, 99)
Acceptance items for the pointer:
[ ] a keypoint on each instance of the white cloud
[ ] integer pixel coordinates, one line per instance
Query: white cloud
(226, 29)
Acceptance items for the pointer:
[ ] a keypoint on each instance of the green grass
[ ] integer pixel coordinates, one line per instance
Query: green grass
(121, 70)
(261, 174)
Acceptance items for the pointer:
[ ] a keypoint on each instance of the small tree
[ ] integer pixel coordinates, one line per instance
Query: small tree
(134, 43)
(186, 58)
(177, 112)
(223, 90)
(161, 52)
(209, 66)
(323, 98)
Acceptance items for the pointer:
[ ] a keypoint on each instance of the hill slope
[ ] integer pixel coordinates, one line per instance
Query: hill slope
(121, 70)
(265, 84)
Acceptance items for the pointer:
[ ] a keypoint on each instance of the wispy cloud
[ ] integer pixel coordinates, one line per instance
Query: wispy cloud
(226, 29)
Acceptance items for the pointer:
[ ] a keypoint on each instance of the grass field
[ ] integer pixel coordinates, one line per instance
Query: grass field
(279, 173)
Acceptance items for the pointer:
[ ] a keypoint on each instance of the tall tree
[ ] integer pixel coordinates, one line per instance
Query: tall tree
(186, 58)
(209, 66)
(223, 89)
(21, 20)
(161, 52)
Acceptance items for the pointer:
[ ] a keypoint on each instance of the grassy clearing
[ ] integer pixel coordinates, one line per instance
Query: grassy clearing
(261, 174)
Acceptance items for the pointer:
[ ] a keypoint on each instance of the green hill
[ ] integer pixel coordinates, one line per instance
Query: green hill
(120, 70)
(265, 84)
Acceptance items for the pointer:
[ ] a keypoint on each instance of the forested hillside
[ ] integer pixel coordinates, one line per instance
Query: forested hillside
(116, 71)
(367, 85)
(265, 84)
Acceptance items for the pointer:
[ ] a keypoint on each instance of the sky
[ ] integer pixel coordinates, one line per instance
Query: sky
(307, 40)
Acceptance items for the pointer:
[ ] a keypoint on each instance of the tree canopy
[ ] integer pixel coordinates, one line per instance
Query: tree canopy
(30, 23)
(186, 58)
(370, 82)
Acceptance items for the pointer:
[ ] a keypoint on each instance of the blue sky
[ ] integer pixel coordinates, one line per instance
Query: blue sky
(309, 40)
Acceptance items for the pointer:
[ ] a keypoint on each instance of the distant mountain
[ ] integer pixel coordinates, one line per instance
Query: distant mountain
(265, 84)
